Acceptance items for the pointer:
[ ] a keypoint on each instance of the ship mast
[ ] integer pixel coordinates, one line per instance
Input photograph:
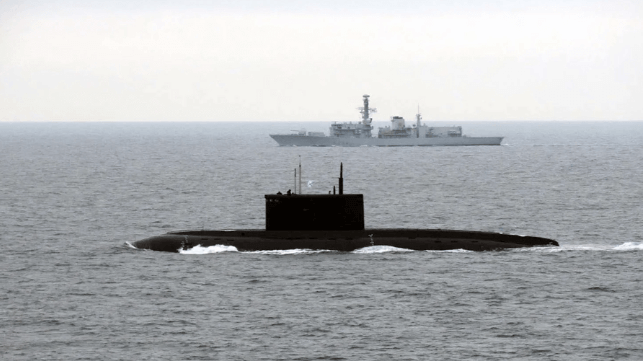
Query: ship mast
(365, 110)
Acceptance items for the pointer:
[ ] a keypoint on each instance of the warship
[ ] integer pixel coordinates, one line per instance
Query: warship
(397, 134)
(335, 222)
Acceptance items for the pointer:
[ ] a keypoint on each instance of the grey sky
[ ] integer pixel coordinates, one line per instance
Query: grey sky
(312, 60)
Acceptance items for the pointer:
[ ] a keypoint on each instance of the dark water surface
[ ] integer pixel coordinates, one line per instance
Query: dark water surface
(73, 195)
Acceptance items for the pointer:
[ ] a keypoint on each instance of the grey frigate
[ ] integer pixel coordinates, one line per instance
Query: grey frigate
(396, 135)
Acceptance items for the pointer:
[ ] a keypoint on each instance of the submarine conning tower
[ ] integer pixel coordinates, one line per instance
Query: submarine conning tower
(310, 212)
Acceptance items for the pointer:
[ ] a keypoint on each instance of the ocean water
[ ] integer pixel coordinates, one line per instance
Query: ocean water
(72, 195)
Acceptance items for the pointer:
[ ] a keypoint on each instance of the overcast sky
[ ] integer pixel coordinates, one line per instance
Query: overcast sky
(250, 60)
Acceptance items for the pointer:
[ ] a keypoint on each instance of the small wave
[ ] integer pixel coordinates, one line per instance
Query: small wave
(630, 246)
(460, 250)
(627, 246)
(285, 252)
(207, 250)
(555, 249)
(589, 248)
(380, 249)
(600, 289)
(130, 245)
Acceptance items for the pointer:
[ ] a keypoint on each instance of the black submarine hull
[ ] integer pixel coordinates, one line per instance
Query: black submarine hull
(342, 240)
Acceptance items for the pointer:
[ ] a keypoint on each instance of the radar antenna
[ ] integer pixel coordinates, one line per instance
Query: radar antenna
(365, 110)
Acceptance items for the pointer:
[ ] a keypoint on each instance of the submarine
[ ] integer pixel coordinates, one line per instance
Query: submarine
(332, 222)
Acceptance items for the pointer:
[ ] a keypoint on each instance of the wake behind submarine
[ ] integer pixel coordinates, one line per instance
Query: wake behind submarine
(332, 222)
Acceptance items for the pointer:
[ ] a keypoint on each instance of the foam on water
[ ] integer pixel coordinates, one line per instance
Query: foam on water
(284, 252)
(554, 249)
(627, 246)
(630, 246)
(198, 249)
(460, 250)
(381, 249)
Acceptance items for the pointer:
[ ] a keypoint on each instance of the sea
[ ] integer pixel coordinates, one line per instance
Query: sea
(75, 196)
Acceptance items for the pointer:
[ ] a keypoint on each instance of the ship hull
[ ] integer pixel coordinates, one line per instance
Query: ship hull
(317, 141)
(346, 241)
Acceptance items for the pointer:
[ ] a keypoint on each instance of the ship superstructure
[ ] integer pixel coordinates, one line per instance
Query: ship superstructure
(397, 129)
(397, 134)
(355, 130)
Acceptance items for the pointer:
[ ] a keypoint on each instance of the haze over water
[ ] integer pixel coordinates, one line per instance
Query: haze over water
(73, 194)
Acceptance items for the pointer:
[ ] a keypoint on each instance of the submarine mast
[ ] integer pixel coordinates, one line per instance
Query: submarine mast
(299, 175)
(341, 178)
